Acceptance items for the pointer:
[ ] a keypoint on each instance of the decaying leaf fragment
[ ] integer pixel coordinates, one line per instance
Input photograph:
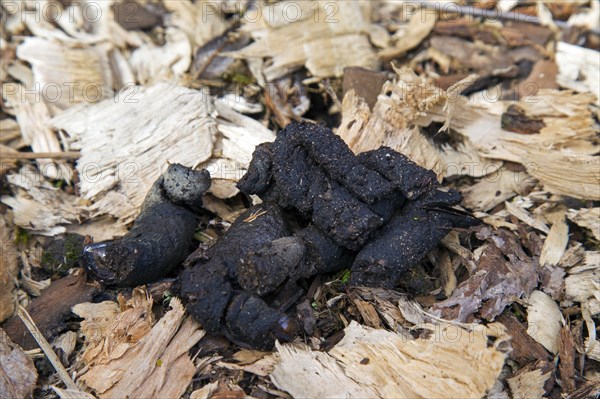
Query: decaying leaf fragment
(324, 37)
(128, 355)
(504, 273)
(452, 362)
(17, 372)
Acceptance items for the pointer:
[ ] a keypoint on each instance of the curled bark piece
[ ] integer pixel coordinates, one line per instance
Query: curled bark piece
(161, 235)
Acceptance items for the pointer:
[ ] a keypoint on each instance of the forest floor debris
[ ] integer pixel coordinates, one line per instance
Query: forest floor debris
(499, 98)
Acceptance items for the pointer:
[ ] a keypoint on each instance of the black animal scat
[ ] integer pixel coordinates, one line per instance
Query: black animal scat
(160, 237)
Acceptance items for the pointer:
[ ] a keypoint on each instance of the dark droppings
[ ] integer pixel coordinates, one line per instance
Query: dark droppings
(323, 209)
(161, 236)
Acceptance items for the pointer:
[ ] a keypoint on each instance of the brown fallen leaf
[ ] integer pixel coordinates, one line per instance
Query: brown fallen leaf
(504, 273)
(18, 375)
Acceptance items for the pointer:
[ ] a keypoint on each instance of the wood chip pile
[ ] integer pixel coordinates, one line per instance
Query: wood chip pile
(500, 98)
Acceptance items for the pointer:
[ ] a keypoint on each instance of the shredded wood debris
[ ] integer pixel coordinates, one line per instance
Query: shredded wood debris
(323, 37)
(377, 363)
(9, 269)
(128, 355)
(544, 320)
(99, 97)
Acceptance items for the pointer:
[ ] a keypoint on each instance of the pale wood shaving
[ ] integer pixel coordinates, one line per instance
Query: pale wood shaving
(582, 283)
(205, 392)
(411, 34)
(528, 385)
(394, 122)
(33, 116)
(138, 358)
(544, 320)
(38, 206)
(199, 20)
(578, 68)
(323, 38)
(521, 213)
(126, 143)
(377, 363)
(496, 188)
(555, 244)
(168, 62)
(588, 218)
(64, 74)
(72, 393)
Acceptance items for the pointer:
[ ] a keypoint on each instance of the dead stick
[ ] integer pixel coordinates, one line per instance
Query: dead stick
(452, 8)
(42, 155)
(43, 343)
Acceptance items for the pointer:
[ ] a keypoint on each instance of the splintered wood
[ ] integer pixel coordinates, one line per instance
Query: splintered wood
(127, 354)
(127, 142)
(452, 362)
(561, 156)
(324, 37)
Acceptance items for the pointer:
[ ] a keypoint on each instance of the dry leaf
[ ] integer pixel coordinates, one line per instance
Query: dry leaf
(504, 273)
(17, 373)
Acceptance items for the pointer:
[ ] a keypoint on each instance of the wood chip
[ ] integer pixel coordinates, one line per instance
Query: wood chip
(325, 38)
(377, 363)
(544, 320)
(9, 270)
(588, 218)
(528, 385)
(133, 357)
(555, 244)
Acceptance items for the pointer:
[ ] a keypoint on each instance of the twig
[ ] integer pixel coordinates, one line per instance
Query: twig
(42, 155)
(492, 14)
(43, 343)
